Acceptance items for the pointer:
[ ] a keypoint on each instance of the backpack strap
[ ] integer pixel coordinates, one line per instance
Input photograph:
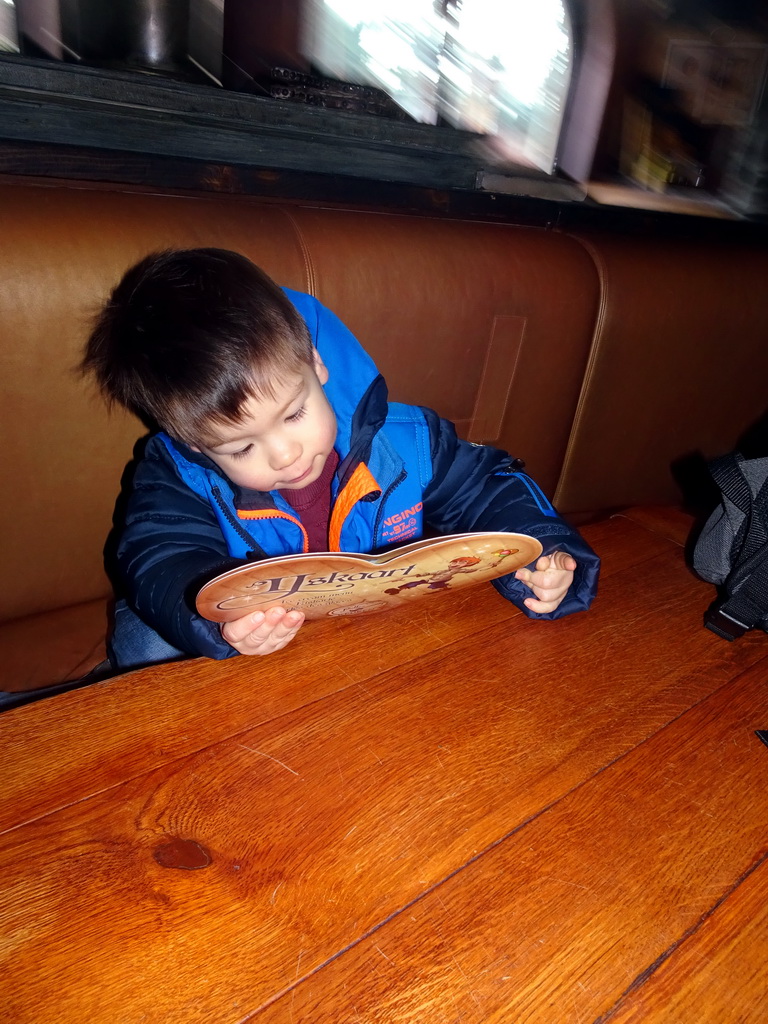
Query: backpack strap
(746, 602)
(727, 473)
(734, 486)
(746, 588)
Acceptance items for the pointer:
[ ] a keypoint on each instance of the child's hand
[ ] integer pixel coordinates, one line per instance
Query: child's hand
(263, 632)
(549, 582)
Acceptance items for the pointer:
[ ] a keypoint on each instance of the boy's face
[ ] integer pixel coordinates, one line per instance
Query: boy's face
(281, 443)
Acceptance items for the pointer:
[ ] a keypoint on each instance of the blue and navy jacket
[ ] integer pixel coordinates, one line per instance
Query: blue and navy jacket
(401, 469)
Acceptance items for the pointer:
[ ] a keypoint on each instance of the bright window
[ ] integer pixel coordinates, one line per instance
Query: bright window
(9, 39)
(500, 68)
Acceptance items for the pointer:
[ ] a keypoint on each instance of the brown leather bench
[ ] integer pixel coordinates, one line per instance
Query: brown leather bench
(678, 368)
(594, 359)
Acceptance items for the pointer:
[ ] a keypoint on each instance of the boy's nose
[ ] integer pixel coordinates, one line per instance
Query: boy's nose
(283, 452)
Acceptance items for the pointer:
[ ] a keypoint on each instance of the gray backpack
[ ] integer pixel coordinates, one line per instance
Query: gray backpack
(732, 549)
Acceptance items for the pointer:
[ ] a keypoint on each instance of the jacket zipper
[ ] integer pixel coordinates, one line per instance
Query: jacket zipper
(384, 498)
(256, 551)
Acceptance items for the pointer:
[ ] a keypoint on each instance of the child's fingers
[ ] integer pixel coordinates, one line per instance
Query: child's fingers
(287, 625)
(549, 581)
(235, 632)
(541, 607)
(546, 566)
(562, 560)
(556, 560)
(262, 629)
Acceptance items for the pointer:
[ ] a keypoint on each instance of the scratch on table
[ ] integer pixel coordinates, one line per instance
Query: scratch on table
(272, 898)
(293, 993)
(473, 995)
(298, 963)
(461, 970)
(275, 759)
(380, 950)
(347, 674)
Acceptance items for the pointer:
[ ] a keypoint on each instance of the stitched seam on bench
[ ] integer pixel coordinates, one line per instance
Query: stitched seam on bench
(592, 360)
(589, 370)
(309, 268)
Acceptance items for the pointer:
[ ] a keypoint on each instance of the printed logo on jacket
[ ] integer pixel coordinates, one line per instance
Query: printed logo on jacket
(402, 525)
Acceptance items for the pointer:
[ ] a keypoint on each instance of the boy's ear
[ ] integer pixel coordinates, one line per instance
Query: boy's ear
(320, 368)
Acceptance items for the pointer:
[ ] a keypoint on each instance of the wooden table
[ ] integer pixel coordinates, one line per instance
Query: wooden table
(447, 813)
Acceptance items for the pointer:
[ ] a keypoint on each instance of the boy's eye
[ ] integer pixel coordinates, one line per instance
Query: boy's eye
(242, 453)
(296, 416)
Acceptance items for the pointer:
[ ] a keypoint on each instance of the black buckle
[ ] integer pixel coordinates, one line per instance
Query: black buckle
(723, 625)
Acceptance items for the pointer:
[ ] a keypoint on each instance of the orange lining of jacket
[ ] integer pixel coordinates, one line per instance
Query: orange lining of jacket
(361, 482)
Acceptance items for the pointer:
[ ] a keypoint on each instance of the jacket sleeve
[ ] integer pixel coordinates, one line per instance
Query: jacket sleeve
(169, 545)
(477, 487)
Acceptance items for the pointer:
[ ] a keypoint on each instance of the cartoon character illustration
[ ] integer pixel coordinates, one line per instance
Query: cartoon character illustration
(441, 579)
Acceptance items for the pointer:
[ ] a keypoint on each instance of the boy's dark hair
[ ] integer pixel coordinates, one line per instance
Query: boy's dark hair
(188, 335)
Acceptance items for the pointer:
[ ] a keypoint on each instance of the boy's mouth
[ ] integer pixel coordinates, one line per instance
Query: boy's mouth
(301, 477)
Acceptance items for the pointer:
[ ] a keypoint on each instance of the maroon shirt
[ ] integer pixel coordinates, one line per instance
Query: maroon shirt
(312, 504)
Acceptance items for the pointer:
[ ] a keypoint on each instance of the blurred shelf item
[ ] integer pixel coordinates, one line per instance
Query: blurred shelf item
(536, 186)
(688, 201)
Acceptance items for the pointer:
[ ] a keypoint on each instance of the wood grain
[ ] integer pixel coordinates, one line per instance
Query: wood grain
(124, 726)
(718, 967)
(63, 104)
(674, 524)
(565, 915)
(456, 815)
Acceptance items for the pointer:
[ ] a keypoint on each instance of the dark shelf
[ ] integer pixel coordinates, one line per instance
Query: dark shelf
(65, 122)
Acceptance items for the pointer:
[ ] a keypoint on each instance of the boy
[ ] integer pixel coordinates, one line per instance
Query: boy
(275, 436)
